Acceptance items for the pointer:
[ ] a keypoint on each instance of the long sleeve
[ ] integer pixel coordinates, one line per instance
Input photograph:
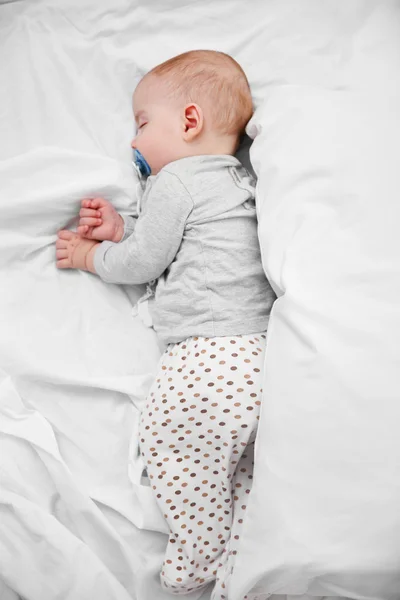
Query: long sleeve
(155, 239)
(129, 226)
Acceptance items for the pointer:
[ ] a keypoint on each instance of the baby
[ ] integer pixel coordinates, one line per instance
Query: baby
(196, 236)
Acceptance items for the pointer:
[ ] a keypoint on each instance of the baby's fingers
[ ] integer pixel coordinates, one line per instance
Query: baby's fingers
(87, 203)
(63, 253)
(61, 244)
(89, 212)
(65, 234)
(89, 218)
(64, 263)
(89, 221)
(92, 203)
(82, 230)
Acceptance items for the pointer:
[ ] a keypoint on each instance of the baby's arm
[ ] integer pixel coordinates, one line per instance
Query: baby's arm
(155, 241)
(147, 252)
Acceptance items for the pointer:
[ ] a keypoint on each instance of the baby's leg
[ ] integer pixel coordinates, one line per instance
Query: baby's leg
(202, 412)
(241, 489)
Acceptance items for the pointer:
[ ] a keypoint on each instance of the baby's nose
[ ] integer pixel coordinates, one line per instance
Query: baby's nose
(133, 143)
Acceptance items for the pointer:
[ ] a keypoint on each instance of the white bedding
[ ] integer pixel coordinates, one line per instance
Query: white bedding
(323, 520)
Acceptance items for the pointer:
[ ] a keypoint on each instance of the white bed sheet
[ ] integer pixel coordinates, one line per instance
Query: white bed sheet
(75, 523)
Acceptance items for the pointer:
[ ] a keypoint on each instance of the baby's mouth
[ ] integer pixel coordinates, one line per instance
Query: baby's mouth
(140, 164)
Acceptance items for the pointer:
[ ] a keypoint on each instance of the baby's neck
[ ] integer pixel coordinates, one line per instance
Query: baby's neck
(214, 144)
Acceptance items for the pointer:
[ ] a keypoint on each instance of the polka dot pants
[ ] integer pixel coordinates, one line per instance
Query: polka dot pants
(201, 414)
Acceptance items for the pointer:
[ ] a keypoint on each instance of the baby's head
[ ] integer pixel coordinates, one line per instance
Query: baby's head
(196, 103)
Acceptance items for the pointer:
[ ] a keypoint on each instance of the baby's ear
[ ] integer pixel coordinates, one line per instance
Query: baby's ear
(193, 121)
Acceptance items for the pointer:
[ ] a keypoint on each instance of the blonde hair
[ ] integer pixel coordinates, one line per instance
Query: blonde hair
(213, 80)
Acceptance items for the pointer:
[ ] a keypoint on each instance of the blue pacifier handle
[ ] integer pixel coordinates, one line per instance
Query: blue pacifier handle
(141, 164)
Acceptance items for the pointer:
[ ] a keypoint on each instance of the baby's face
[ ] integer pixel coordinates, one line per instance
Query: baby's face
(159, 126)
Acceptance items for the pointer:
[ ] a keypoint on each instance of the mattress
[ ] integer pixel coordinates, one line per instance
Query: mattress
(78, 520)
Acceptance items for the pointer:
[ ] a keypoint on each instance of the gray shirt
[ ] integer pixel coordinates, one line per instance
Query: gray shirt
(196, 234)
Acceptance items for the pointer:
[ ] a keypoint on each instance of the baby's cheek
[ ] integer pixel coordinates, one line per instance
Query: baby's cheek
(156, 155)
(146, 147)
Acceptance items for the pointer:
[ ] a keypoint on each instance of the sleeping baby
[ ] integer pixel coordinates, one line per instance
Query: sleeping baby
(196, 238)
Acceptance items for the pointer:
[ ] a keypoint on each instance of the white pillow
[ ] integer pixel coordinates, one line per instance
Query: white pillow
(323, 517)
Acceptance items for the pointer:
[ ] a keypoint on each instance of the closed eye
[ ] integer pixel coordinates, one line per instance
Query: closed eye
(142, 125)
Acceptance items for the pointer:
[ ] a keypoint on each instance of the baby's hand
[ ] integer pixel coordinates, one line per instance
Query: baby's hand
(74, 252)
(100, 221)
